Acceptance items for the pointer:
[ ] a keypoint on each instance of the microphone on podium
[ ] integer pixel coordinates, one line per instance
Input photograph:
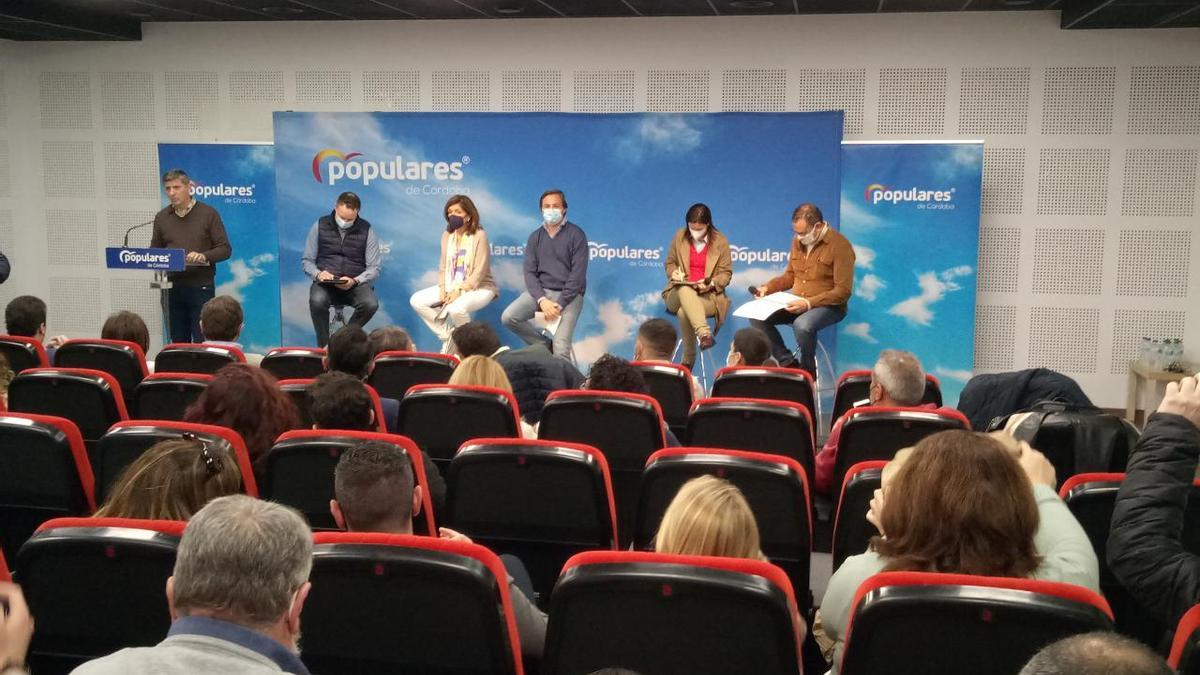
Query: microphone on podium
(125, 241)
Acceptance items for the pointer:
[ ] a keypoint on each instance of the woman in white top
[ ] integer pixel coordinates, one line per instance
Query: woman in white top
(465, 282)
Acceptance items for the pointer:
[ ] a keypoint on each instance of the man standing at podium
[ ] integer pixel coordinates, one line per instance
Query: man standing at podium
(196, 228)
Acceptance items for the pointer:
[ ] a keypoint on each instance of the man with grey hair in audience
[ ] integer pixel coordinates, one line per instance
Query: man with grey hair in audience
(1098, 653)
(897, 381)
(240, 581)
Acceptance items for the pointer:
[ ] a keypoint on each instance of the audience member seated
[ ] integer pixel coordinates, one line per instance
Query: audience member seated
(16, 629)
(1099, 653)
(221, 322)
(750, 347)
(374, 491)
(389, 339)
(127, 326)
(340, 401)
(349, 351)
(613, 373)
(480, 371)
(172, 480)
(655, 343)
(1145, 549)
(897, 381)
(533, 371)
(246, 399)
(962, 504)
(240, 581)
(25, 316)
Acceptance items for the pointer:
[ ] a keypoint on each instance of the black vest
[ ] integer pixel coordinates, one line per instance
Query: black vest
(342, 257)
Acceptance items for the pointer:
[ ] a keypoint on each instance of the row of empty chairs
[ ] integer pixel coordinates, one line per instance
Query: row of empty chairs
(393, 603)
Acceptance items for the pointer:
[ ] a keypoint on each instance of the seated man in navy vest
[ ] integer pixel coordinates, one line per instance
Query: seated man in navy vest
(342, 258)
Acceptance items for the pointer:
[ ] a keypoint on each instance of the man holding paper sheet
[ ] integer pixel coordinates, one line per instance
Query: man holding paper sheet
(819, 276)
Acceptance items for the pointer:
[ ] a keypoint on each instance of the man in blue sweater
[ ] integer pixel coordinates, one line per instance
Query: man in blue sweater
(556, 258)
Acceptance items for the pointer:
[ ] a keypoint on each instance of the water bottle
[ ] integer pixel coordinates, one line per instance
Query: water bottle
(1143, 354)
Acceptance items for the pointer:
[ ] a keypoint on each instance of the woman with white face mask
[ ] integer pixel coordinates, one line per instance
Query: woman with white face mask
(699, 267)
(464, 275)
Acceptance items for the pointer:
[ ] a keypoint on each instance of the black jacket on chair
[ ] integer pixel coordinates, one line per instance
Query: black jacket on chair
(986, 397)
(534, 373)
(1145, 549)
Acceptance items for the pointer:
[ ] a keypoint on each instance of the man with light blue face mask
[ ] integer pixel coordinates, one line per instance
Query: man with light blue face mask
(341, 256)
(556, 259)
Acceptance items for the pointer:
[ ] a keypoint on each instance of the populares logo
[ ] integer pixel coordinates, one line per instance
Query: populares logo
(128, 257)
(744, 254)
(606, 252)
(876, 193)
(202, 191)
(354, 166)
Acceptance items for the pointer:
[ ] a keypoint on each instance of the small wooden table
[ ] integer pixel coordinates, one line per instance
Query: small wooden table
(1139, 371)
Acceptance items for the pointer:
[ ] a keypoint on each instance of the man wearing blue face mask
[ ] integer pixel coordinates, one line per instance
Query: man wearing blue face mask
(556, 258)
(341, 256)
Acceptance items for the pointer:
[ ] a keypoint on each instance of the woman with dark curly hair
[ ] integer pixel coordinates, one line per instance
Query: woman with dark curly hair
(244, 398)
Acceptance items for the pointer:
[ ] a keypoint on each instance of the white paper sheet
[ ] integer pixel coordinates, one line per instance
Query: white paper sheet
(763, 307)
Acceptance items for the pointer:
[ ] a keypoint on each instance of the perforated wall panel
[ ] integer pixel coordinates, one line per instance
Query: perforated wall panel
(65, 100)
(754, 89)
(192, 99)
(1154, 263)
(6, 232)
(995, 337)
(119, 221)
(677, 91)
(127, 100)
(1078, 100)
(71, 237)
(131, 170)
(76, 304)
(531, 90)
(994, 101)
(1073, 182)
(1164, 100)
(69, 168)
(835, 89)
(912, 101)
(5, 171)
(135, 295)
(603, 91)
(462, 90)
(256, 86)
(1003, 180)
(1064, 338)
(3, 103)
(999, 259)
(322, 86)
(1159, 182)
(395, 90)
(1131, 325)
(1068, 260)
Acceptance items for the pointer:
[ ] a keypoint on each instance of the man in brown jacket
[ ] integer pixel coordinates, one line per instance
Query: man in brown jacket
(820, 273)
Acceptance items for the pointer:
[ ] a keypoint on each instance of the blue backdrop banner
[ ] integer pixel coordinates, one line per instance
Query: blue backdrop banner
(238, 181)
(912, 212)
(629, 179)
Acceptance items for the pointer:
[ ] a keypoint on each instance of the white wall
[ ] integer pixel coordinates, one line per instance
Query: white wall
(1089, 236)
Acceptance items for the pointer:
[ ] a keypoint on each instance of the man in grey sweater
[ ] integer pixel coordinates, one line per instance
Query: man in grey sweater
(240, 581)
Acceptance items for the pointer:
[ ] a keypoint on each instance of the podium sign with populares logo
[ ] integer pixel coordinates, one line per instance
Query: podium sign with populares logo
(134, 258)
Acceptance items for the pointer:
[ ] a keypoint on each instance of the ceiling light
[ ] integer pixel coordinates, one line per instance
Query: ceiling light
(751, 4)
(282, 11)
(510, 8)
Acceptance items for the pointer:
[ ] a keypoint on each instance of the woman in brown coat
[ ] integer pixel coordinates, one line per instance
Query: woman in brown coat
(699, 267)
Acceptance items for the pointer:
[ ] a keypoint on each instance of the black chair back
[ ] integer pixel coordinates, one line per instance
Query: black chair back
(395, 372)
(89, 398)
(441, 417)
(874, 433)
(123, 360)
(851, 531)
(196, 358)
(294, 363)
(776, 427)
(23, 353)
(775, 384)
(167, 396)
(671, 386)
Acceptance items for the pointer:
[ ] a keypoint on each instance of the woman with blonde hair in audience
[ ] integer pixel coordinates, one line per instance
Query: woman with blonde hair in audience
(172, 480)
(481, 371)
(963, 503)
(709, 516)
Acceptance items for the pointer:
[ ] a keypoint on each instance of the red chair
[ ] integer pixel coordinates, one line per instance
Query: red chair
(90, 398)
(407, 604)
(124, 360)
(657, 613)
(925, 622)
(299, 472)
(541, 501)
(118, 564)
(851, 531)
(441, 417)
(126, 441)
(189, 357)
(23, 352)
(1184, 659)
(394, 372)
(44, 474)
(294, 363)
(855, 385)
(775, 486)
(5, 575)
(671, 385)
(878, 432)
(767, 382)
(758, 425)
(297, 390)
(167, 396)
